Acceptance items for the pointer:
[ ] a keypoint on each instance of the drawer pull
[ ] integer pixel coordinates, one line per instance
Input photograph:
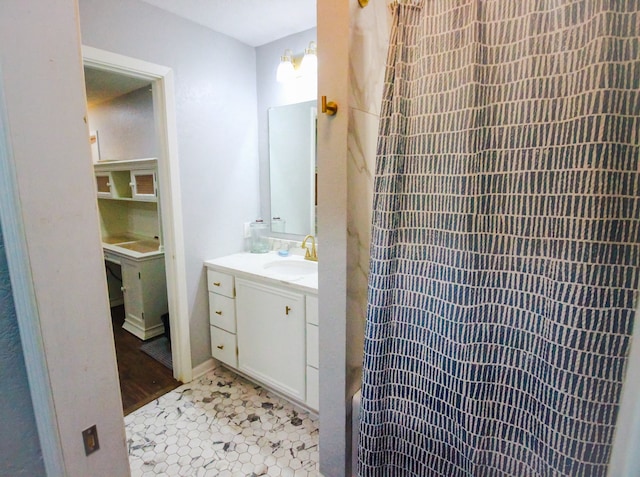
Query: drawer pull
(287, 309)
(216, 284)
(218, 312)
(221, 347)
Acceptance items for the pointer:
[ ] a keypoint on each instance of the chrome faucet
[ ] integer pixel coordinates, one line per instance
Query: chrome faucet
(313, 253)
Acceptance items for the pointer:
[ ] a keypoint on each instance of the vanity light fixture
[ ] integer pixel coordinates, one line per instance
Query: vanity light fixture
(291, 67)
(286, 71)
(309, 66)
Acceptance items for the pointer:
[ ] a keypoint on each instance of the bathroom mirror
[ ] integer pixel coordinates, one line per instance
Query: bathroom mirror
(292, 168)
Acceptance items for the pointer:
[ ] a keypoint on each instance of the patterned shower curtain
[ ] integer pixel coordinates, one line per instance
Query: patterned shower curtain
(505, 240)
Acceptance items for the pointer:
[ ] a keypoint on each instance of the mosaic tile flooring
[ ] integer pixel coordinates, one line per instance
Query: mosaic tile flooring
(222, 425)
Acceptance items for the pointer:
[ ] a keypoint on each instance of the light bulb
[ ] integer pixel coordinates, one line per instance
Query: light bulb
(285, 71)
(309, 66)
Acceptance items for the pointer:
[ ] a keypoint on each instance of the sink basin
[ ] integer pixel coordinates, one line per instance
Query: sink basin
(292, 268)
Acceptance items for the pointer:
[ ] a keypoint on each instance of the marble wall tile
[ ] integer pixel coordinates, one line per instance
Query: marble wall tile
(360, 170)
(369, 42)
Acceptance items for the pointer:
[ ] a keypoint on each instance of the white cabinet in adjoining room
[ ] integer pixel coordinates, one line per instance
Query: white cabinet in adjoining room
(128, 206)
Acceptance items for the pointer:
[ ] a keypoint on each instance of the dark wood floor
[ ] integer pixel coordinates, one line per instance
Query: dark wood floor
(142, 378)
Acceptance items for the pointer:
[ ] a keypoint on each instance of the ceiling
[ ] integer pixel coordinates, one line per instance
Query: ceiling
(253, 22)
(102, 85)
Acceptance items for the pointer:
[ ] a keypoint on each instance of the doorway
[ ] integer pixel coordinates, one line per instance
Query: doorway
(158, 83)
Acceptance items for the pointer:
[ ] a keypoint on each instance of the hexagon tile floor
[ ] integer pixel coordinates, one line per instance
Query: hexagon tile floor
(222, 425)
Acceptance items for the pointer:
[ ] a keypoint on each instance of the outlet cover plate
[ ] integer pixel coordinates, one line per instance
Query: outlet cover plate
(90, 439)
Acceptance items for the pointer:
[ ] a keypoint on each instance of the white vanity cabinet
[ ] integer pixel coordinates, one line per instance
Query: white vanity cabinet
(271, 336)
(264, 326)
(313, 352)
(144, 291)
(222, 317)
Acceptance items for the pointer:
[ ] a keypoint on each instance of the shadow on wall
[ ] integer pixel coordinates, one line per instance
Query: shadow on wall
(20, 452)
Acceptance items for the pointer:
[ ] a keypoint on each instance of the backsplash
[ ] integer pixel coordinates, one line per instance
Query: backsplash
(275, 244)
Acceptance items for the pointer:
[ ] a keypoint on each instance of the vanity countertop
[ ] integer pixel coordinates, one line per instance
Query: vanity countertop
(270, 267)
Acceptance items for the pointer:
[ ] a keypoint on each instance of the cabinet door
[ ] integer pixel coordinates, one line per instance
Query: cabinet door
(271, 336)
(143, 185)
(132, 293)
(103, 184)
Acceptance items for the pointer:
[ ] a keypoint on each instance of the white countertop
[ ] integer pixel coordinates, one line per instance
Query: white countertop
(126, 252)
(252, 266)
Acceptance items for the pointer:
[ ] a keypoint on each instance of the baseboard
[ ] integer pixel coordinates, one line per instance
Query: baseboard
(204, 368)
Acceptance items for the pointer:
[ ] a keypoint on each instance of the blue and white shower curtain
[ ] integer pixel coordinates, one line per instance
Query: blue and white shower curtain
(505, 238)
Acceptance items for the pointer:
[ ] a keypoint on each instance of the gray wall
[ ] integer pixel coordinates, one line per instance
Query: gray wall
(125, 125)
(20, 453)
(271, 93)
(216, 104)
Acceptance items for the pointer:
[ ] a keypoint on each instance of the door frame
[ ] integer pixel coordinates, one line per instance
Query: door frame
(164, 110)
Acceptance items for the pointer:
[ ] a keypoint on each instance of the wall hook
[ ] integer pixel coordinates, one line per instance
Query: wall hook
(330, 107)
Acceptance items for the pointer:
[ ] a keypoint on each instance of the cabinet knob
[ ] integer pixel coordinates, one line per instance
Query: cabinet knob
(287, 309)
(216, 284)
(218, 312)
(220, 347)
(122, 289)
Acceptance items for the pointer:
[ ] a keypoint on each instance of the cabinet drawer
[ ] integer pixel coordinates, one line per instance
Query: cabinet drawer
(223, 346)
(313, 388)
(219, 282)
(312, 346)
(222, 312)
(312, 309)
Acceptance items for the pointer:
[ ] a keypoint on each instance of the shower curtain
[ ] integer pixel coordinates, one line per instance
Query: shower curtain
(505, 238)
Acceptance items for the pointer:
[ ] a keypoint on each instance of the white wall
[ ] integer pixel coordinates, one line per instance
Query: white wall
(271, 93)
(42, 80)
(125, 125)
(216, 104)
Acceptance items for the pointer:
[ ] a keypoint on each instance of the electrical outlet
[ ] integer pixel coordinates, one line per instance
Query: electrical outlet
(90, 439)
(247, 229)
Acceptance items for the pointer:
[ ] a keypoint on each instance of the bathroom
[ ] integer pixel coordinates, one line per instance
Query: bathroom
(202, 185)
(344, 187)
(121, 121)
